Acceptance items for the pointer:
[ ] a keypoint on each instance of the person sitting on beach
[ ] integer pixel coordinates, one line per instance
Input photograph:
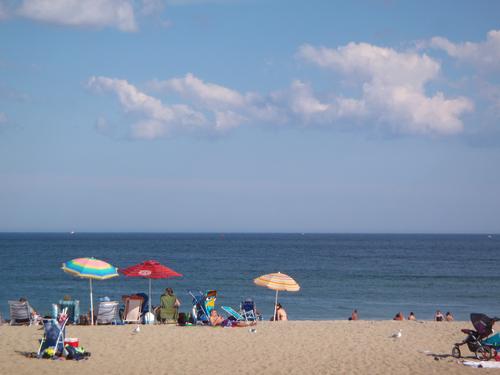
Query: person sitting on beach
(169, 307)
(354, 315)
(215, 318)
(34, 315)
(412, 316)
(438, 317)
(449, 317)
(398, 316)
(280, 313)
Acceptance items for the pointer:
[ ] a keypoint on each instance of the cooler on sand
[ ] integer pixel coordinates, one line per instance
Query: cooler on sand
(72, 341)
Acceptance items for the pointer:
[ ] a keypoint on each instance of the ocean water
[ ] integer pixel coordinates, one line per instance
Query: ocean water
(377, 274)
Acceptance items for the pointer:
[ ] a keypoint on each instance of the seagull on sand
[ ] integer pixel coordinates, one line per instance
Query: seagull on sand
(137, 329)
(396, 335)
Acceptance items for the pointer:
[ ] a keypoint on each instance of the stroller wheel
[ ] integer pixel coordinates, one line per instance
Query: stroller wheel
(455, 352)
(483, 353)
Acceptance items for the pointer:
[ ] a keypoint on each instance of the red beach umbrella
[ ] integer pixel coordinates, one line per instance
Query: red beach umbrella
(150, 269)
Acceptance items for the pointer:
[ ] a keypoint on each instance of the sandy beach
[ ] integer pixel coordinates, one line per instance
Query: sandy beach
(294, 347)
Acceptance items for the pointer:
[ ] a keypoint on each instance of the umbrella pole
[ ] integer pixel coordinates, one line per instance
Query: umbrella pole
(91, 304)
(275, 303)
(149, 304)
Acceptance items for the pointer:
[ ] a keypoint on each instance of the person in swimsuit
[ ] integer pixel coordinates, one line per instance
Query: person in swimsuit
(398, 316)
(438, 317)
(215, 318)
(354, 315)
(280, 312)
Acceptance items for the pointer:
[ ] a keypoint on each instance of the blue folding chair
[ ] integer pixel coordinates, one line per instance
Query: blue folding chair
(53, 337)
(249, 311)
(73, 310)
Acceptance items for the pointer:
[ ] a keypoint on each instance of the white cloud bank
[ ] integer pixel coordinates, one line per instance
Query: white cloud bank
(483, 54)
(157, 119)
(392, 96)
(393, 87)
(94, 13)
(119, 14)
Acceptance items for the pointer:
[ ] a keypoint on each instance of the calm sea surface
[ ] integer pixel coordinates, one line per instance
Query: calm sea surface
(377, 274)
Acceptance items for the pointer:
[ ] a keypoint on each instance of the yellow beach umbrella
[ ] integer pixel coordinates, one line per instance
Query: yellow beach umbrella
(278, 282)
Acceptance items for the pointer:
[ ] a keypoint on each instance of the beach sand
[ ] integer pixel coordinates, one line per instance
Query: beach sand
(294, 347)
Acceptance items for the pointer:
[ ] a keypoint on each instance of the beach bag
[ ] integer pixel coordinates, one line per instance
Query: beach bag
(182, 319)
(76, 354)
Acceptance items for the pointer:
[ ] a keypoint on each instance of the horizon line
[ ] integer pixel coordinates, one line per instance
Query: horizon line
(249, 232)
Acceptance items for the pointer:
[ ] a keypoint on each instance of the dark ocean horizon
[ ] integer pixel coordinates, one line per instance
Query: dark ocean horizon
(378, 274)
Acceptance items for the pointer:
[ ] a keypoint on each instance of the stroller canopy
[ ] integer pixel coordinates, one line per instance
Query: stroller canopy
(483, 324)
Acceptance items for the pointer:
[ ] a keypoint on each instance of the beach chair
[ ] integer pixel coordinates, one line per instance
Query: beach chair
(133, 307)
(203, 304)
(108, 313)
(20, 313)
(236, 319)
(72, 309)
(248, 310)
(235, 314)
(53, 337)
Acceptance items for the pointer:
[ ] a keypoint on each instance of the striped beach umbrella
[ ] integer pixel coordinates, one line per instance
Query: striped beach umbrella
(278, 282)
(90, 268)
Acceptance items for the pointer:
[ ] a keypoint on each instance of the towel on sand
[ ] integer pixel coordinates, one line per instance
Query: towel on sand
(482, 364)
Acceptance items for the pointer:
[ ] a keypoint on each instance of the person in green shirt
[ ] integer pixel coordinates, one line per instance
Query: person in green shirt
(169, 307)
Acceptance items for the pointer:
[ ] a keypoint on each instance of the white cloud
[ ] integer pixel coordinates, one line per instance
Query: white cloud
(228, 107)
(483, 55)
(208, 94)
(226, 120)
(157, 119)
(382, 64)
(399, 103)
(393, 87)
(305, 106)
(303, 101)
(94, 13)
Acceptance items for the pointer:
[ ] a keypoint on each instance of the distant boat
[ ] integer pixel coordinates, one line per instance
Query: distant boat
(490, 236)
(72, 232)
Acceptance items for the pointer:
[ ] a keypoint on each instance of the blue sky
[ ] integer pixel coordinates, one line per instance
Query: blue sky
(249, 116)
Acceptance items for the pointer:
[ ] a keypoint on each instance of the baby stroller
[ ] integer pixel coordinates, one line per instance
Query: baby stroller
(203, 304)
(475, 340)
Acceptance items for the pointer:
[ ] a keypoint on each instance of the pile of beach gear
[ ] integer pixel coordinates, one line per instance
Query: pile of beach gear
(54, 343)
